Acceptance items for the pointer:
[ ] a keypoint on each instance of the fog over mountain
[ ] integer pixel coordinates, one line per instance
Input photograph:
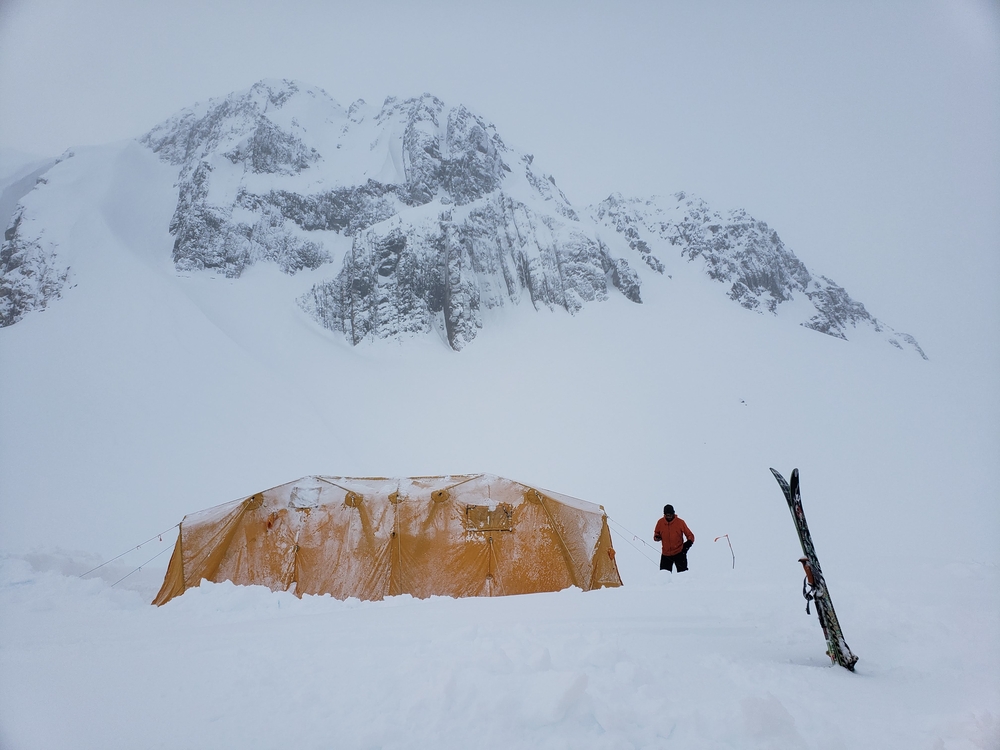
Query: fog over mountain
(418, 218)
(272, 285)
(633, 253)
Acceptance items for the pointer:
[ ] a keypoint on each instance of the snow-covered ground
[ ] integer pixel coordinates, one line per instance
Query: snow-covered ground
(710, 659)
(142, 395)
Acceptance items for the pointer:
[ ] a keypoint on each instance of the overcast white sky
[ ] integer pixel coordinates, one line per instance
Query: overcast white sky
(867, 134)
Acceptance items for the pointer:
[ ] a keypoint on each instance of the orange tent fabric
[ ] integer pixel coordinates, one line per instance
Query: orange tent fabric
(468, 535)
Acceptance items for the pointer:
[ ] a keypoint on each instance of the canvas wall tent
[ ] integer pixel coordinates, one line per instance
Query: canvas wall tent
(469, 535)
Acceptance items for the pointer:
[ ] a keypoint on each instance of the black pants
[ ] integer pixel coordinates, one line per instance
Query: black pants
(680, 559)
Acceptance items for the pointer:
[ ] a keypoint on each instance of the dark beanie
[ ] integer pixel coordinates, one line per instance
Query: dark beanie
(668, 510)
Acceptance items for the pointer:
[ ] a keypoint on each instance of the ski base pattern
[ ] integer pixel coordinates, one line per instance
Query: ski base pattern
(814, 587)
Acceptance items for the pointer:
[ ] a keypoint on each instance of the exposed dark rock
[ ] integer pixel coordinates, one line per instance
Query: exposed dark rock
(30, 273)
(740, 251)
(440, 275)
(268, 150)
(240, 120)
(614, 211)
(344, 210)
(836, 310)
(206, 237)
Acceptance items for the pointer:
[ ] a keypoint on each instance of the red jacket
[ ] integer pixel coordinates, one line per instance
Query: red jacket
(672, 534)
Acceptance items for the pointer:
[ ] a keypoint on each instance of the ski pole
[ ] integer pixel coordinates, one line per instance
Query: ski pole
(726, 536)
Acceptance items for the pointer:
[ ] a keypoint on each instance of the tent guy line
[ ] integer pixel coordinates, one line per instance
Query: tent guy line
(635, 537)
(165, 549)
(132, 549)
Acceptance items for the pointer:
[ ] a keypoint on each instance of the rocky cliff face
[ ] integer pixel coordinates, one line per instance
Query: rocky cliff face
(446, 220)
(31, 273)
(443, 221)
(218, 223)
(742, 253)
(447, 268)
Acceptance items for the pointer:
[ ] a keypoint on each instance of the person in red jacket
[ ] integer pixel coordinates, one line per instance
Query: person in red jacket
(676, 538)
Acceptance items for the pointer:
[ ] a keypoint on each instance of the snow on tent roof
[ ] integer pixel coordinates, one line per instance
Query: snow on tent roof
(372, 537)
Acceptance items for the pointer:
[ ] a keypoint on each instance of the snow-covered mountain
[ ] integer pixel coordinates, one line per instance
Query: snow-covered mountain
(444, 218)
(743, 253)
(416, 218)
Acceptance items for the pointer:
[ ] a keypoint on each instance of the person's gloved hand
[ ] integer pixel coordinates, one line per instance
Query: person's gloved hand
(687, 545)
(656, 537)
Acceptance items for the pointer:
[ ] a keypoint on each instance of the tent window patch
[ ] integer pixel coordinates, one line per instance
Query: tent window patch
(304, 497)
(482, 518)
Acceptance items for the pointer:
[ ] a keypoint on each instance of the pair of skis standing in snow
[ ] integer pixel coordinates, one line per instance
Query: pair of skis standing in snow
(677, 539)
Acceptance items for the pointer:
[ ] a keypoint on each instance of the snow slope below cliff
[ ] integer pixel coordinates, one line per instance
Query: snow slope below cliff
(144, 395)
